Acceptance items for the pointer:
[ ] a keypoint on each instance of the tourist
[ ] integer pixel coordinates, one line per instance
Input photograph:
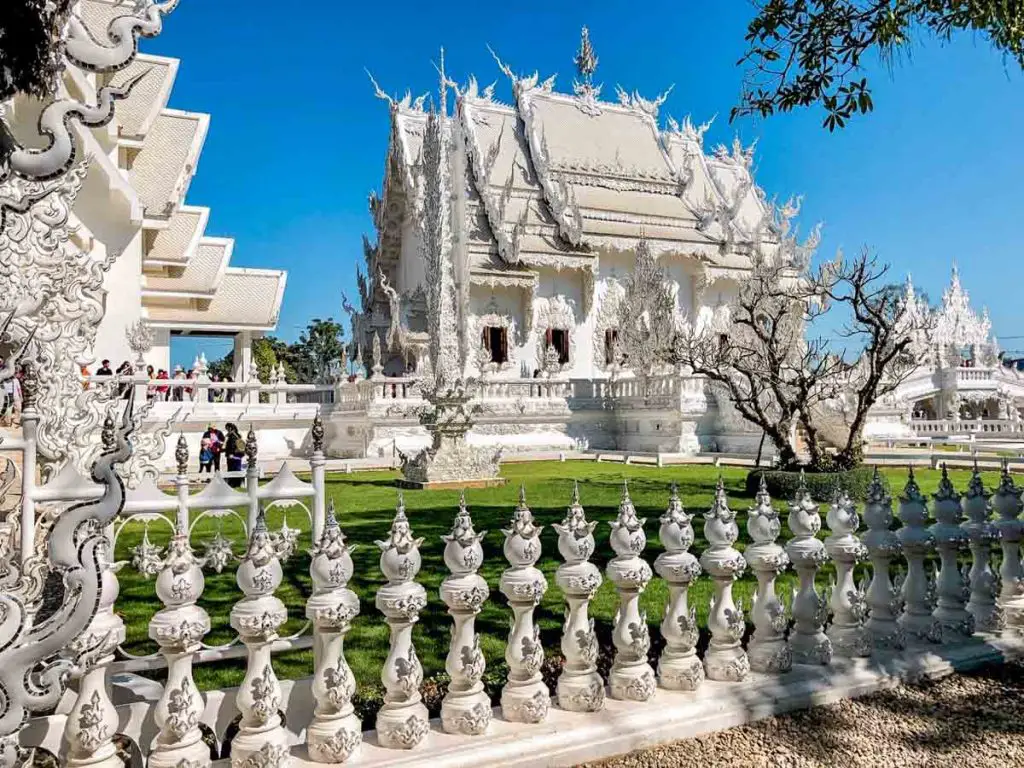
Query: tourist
(214, 394)
(7, 407)
(229, 393)
(104, 369)
(123, 370)
(205, 455)
(234, 449)
(216, 438)
(150, 388)
(162, 389)
(178, 392)
(190, 376)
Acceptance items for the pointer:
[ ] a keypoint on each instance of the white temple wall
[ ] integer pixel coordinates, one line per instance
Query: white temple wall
(504, 308)
(558, 303)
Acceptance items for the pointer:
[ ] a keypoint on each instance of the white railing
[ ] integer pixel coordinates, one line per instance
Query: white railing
(927, 427)
(204, 390)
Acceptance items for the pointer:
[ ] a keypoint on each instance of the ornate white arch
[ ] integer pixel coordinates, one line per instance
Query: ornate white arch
(606, 317)
(553, 312)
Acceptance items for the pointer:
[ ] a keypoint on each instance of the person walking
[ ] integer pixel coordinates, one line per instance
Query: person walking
(234, 449)
(205, 456)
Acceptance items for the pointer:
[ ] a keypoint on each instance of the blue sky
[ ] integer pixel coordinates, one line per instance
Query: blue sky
(297, 139)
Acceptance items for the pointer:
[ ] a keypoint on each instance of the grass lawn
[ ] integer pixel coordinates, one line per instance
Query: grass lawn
(365, 505)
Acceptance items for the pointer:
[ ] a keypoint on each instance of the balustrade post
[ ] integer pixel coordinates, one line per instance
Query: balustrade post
(631, 676)
(768, 649)
(403, 721)
(725, 658)
(178, 628)
(317, 464)
(580, 688)
(883, 545)
(918, 589)
(952, 587)
(465, 709)
(336, 732)
(1007, 504)
(252, 479)
(181, 483)
(679, 668)
(257, 617)
(808, 640)
(849, 607)
(982, 534)
(524, 698)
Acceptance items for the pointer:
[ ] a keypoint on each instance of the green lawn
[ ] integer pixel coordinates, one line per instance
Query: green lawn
(365, 504)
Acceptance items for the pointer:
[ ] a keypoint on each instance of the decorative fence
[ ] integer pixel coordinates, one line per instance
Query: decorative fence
(953, 614)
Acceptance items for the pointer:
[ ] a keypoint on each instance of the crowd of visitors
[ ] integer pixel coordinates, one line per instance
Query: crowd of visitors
(10, 408)
(214, 444)
(170, 392)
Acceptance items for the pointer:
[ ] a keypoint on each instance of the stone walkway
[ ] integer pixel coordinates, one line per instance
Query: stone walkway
(974, 719)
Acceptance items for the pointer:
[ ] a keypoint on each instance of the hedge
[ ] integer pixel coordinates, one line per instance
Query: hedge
(822, 485)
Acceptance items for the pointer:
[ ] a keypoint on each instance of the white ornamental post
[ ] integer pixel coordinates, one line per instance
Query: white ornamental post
(883, 545)
(768, 649)
(631, 676)
(982, 534)
(402, 721)
(336, 732)
(257, 617)
(465, 709)
(580, 688)
(178, 628)
(525, 698)
(847, 633)
(1007, 504)
(808, 640)
(679, 668)
(918, 589)
(725, 659)
(952, 590)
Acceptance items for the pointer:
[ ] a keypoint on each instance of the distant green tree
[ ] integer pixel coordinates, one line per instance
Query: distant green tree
(267, 352)
(318, 350)
(803, 53)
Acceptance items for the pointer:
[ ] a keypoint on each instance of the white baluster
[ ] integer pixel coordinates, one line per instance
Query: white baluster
(952, 589)
(465, 709)
(631, 677)
(725, 659)
(317, 466)
(883, 545)
(918, 590)
(767, 649)
(257, 617)
(1007, 504)
(849, 604)
(810, 610)
(982, 534)
(335, 734)
(178, 628)
(525, 698)
(679, 668)
(402, 721)
(580, 688)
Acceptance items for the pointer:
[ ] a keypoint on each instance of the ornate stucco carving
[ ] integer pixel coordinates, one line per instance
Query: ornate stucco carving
(553, 312)
(607, 318)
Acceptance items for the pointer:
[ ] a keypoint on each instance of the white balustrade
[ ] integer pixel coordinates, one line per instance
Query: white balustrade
(982, 535)
(848, 602)
(631, 677)
(918, 590)
(1008, 505)
(768, 649)
(883, 545)
(725, 659)
(524, 698)
(808, 640)
(580, 688)
(952, 589)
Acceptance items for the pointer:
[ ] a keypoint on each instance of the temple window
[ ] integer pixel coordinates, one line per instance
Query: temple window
(611, 336)
(495, 341)
(559, 339)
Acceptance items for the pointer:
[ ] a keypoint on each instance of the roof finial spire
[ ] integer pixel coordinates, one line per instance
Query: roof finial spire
(444, 85)
(586, 58)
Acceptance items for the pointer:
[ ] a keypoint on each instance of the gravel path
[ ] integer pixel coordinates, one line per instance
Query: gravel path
(974, 719)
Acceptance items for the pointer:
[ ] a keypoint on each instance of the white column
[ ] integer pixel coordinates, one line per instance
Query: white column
(884, 600)
(725, 659)
(807, 553)
(403, 721)
(982, 534)
(952, 589)
(465, 709)
(849, 606)
(335, 734)
(918, 590)
(767, 649)
(580, 688)
(242, 356)
(631, 677)
(524, 698)
(1007, 503)
(679, 668)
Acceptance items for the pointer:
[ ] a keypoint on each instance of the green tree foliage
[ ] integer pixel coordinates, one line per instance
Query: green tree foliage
(312, 359)
(30, 54)
(812, 52)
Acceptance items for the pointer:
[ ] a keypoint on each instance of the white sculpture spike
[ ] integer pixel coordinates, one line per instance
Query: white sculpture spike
(525, 698)
(631, 677)
(982, 534)
(466, 708)
(918, 591)
(179, 628)
(883, 545)
(580, 688)
(1007, 504)
(849, 606)
(336, 732)
(952, 591)
(402, 721)
(768, 649)
(679, 668)
(257, 617)
(725, 659)
(808, 640)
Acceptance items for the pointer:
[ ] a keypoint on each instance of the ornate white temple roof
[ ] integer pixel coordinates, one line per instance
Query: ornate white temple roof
(246, 299)
(174, 244)
(957, 323)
